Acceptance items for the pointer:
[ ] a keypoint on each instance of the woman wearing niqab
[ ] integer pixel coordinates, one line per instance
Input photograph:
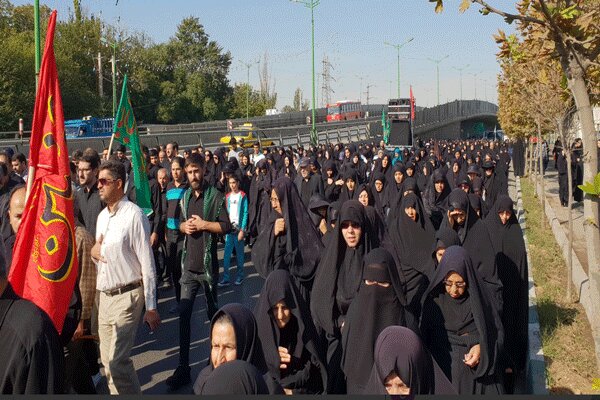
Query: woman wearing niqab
(379, 303)
(461, 326)
(284, 322)
(248, 346)
(399, 352)
(511, 260)
(337, 281)
(297, 248)
(410, 240)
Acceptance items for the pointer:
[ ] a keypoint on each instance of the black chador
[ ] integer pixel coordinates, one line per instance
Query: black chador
(297, 249)
(379, 303)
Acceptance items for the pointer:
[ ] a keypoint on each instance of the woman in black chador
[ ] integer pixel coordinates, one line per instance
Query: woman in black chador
(511, 261)
(444, 238)
(379, 303)
(259, 205)
(410, 238)
(404, 366)
(474, 237)
(234, 336)
(461, 326)
(235, 377)
(435, 196)
(288, 240)
(337, 281)
(292, 349)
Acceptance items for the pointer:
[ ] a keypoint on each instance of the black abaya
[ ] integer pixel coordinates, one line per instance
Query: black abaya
(511, 261)
(452, 326)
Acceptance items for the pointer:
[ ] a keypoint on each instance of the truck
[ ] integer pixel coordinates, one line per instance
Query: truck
(400, 122)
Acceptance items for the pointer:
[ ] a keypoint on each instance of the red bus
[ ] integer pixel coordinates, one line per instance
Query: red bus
(344, 110)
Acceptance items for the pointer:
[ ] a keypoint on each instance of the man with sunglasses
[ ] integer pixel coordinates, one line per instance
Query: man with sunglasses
(126, 278)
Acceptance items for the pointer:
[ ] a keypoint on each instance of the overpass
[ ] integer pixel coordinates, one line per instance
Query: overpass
(457, 119)
(460, 119)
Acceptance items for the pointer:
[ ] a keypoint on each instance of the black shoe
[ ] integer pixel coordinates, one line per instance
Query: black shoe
(180, 377)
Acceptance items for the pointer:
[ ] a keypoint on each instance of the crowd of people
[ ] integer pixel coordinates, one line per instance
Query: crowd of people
(387, 271)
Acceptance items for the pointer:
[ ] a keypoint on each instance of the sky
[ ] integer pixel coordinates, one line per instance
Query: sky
(350, 33)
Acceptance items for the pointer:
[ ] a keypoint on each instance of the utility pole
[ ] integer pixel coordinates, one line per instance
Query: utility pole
(312, 4)
(398, 47)
(437, 66)
(367, 92)
(460, 70)
(326, 89)
(389, 81)
(100, 76)
(248, 65)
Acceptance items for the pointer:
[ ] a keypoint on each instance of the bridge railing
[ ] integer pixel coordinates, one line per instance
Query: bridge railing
(452, 111)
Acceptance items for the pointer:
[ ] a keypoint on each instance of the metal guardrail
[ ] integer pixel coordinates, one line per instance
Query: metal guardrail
(341, 132)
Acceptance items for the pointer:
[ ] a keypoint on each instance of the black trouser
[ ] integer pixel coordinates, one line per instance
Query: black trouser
(563, 189)
(77, 369)
(174, 249)
(160, 262)
(190, 284)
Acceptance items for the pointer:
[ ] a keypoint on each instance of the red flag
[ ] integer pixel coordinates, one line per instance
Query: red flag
(44, 264)
(412, 105)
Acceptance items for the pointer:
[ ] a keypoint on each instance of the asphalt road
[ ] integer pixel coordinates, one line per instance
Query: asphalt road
(156, 355)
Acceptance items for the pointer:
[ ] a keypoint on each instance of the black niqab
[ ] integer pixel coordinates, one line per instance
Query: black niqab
(373, 309)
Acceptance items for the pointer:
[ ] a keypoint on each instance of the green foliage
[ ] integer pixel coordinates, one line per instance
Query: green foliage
(592, 188)
(182, 80)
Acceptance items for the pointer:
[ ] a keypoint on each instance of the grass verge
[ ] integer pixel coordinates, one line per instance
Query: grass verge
(566, 335)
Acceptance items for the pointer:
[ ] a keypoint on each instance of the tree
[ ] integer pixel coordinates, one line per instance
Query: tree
(568, 32)
(299, 103)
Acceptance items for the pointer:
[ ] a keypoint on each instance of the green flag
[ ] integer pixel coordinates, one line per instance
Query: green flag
(125, 132)
(386, 127)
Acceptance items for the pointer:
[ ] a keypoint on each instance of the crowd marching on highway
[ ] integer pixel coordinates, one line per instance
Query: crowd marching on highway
(386, 270)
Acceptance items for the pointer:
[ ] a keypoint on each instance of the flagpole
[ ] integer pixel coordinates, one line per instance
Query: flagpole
(38, 62)
(112, 139)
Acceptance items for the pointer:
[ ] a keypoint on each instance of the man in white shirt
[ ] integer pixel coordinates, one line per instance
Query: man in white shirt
(256, 156)
(126, 278)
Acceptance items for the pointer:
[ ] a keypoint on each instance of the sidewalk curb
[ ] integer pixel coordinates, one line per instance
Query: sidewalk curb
(536, 366)
(580, 279)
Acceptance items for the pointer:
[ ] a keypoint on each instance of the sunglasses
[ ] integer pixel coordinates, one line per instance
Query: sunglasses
(104, 181)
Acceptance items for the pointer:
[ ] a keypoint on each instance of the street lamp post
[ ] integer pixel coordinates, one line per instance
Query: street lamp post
(437, 65)
(312, 4)
(475, 75)
(460, 70)
(361, 77)
(248, 65)
(398, 47)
